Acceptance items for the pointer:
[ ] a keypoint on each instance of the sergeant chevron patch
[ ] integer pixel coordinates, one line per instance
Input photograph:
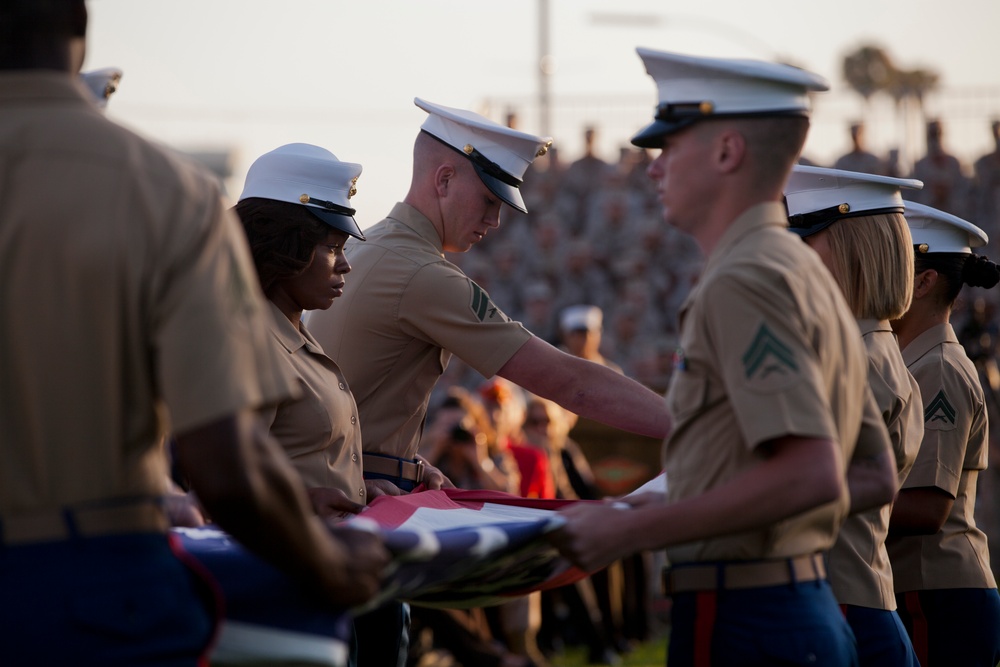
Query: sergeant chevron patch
(482, 306)
(766, 355)
(939, 413)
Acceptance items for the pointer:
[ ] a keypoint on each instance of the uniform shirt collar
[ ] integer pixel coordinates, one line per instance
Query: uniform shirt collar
(767, 214)
(868, 325)
(291, 339)
(760, 216)
(419, 223)
(928, 340)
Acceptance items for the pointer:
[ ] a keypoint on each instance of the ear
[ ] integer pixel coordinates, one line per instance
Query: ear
(924, 283)
(443, 176)
(731, 148)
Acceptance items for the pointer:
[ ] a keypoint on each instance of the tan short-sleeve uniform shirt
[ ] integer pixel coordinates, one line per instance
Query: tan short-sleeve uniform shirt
(953, 451)
(319, 429)
(859, 568)
(768, 348)
(126, 288)
(405, 311)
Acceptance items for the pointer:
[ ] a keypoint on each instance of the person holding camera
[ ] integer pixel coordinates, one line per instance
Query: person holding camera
(460, 440)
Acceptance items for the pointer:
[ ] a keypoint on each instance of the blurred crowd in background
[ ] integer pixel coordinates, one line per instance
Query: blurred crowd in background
(594, 235)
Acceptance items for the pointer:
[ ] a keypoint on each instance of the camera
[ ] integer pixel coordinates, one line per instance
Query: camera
(462, 435)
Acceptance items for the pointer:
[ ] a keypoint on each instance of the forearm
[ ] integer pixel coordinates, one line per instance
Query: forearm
(251, 491)
(871, 472)
(588, 389)
(801, 475)
(871, 482)
(616, 400)
(919, 511)
(281, 525)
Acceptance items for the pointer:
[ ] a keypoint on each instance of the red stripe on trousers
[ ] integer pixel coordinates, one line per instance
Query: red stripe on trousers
(211, 588)
(919, 621)
(704, 624)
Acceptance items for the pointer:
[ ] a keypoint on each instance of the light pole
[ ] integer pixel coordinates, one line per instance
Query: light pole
(545, 67)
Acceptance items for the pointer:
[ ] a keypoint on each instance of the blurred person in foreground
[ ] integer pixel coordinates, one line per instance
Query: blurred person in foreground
(144, 316)
(775, 433)
(945, 589)
(855, 223)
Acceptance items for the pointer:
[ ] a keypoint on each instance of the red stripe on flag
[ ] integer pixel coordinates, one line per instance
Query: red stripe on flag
(474, 495)
(393, 511)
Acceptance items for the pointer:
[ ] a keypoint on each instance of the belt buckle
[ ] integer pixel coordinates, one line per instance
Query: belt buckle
(418, 476)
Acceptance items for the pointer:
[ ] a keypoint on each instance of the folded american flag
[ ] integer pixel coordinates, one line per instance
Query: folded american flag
(459, 548)
(451, 548)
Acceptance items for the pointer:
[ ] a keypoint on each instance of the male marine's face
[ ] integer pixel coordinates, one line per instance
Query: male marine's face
(680, 174)
(469, 210)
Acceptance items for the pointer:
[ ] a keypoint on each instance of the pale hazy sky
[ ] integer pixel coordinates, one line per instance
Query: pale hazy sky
(251, 75)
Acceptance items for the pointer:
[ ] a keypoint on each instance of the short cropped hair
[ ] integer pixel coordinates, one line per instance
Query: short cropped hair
(282, 236)
(26, 26)
(50, 17)
(775, 144)
(872, 260)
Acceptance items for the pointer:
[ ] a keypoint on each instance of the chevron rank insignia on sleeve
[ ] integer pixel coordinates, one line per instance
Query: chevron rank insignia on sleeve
(768, 355)
(484, 308)
(939, 413)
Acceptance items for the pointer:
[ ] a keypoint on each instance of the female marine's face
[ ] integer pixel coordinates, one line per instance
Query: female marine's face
(820, 242)
(323, 280)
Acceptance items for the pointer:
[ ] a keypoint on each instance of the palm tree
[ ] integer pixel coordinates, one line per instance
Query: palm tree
(907, 89)
(913, 84)
(868, 70)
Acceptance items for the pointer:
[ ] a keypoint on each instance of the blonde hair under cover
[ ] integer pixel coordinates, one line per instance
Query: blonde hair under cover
(871, 257)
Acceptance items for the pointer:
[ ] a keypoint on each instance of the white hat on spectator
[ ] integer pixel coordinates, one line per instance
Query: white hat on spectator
(816, 197)
(581, 318)
(309, 176)
(500, 154)
(936, 231)
(693, 88)
(102, 83)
